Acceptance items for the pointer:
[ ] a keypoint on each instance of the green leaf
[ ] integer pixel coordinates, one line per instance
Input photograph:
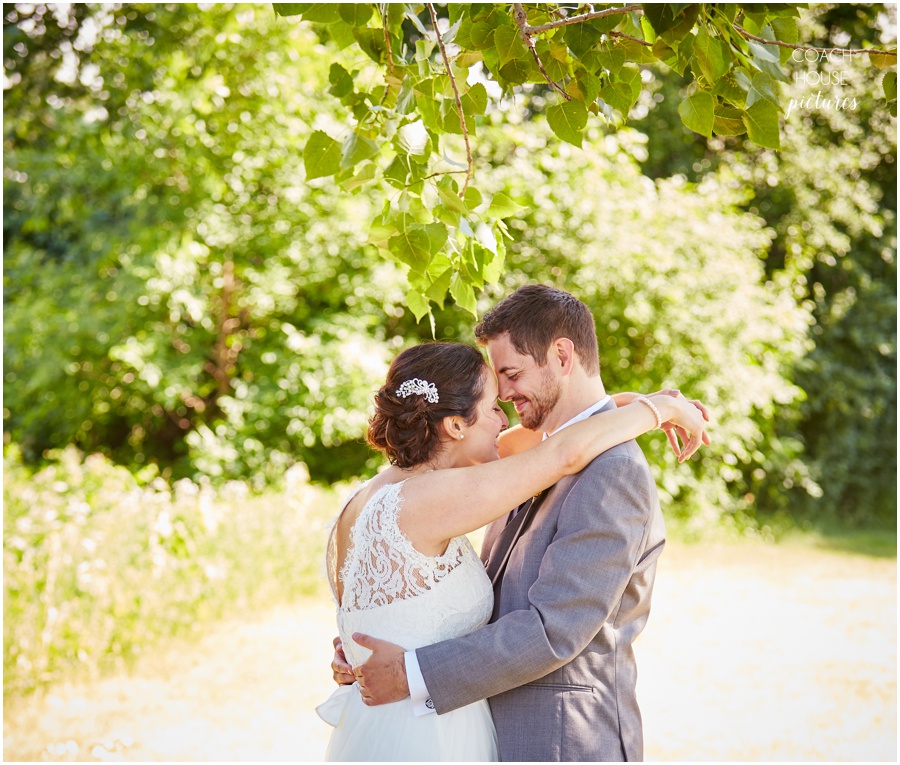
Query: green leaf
(341, 34)
(762, 87)
(889, 85)
(474, 101)
(290, 9)
(728, 121)
(341, 81)
(366, 174)
(437, 292)
(698, 112)
(729, 89)
(397, 173)
(712, 56)
(417, 303)
(636, 52)
(620, 96)
(581, 38)
(413, 138)
(472, 197)
(556, 65)
(322, 13)
(766, 57)
(493, 268)
(371, 41)
(451, 199)
(661, 16)
(883, 60)
(684, 24)
(754, 17)
(411, 246)
(668, 55)
(518, 70)
(356, 14)
(437, 236)
(503, 207)
(761, 120)
(567, 119)
(611, 57)
(356, 148)
(321, 156)
(509, 45)
(475, 35)
(786, 30)
(406, 98)
(450, 118)
(463, 294)
(588, 85)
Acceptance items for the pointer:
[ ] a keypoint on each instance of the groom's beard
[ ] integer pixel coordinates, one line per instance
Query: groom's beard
(541, 402)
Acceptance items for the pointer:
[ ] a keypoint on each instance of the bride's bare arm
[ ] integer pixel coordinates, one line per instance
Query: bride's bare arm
(517, 439)
(446, 503)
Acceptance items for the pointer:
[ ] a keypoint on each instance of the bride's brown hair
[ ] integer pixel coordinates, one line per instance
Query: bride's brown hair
(408, 429)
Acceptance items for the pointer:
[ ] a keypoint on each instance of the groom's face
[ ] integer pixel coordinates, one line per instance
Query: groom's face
(533, 389)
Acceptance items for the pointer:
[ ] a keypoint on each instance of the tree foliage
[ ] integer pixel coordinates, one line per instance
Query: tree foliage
(414, 118)
(175, 293)
(829, 197)
(181, 295)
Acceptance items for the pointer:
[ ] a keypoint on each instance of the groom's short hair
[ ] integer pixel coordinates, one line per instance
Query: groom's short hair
(534, 316)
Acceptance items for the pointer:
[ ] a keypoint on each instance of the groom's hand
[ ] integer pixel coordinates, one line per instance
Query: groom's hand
(382, 678)
(340, 669)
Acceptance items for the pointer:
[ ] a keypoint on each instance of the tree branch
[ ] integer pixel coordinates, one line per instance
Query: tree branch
(793, 46)
(387, 39)
(578, 19)
(629, 37)
(462, 117)
(522, 21)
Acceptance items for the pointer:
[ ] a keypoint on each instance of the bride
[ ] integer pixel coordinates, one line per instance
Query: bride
(399, 563)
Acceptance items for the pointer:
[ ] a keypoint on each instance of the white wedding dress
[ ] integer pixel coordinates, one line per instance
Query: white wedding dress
(393, 592)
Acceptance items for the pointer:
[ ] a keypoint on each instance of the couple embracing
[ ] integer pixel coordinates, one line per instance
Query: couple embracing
(525, 653)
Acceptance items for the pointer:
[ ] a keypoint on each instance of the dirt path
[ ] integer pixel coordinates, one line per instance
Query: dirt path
(751, 653)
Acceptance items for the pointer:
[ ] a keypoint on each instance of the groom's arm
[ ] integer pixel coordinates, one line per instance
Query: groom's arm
(582, 576)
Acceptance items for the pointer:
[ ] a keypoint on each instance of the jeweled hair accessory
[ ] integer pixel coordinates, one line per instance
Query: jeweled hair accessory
(418, 387)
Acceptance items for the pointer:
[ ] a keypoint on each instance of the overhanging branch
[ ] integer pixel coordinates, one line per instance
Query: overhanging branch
(462, 117)
(522, 21)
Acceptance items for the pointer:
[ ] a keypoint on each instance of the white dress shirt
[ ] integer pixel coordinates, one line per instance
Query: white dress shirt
(418, 692)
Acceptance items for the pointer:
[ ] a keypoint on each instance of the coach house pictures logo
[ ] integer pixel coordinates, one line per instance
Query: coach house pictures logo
(827, 85)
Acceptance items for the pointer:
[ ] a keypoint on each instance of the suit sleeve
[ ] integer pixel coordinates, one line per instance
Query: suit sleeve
(583, 573)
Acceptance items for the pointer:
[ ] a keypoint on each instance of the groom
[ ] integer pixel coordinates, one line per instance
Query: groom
(572, 569)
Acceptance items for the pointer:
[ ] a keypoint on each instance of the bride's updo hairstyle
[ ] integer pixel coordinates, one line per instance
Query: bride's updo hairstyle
(408, 428)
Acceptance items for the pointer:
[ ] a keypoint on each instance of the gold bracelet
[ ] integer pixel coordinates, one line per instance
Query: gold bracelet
(648, 402)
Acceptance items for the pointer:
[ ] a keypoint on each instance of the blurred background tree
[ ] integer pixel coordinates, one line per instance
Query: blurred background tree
(829, 197)
(179, 298)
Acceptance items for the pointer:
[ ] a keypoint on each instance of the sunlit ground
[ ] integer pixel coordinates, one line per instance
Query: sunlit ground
(752, 652)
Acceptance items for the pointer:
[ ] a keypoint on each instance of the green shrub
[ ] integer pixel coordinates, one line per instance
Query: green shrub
(98, 566)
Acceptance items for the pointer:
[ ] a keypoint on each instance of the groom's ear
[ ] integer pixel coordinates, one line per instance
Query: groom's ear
(562, 354)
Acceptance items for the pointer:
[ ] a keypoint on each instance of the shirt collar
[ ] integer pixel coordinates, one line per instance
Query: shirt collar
(582, 416)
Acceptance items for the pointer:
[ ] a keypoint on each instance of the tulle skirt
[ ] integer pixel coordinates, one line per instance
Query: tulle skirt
(392, 732)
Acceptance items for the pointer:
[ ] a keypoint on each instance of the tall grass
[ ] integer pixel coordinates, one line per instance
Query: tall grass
(97, 567)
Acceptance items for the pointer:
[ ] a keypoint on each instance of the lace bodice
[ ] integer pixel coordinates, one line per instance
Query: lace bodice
(393, 591)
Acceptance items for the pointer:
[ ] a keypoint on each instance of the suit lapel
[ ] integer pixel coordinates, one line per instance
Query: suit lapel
(502, 548)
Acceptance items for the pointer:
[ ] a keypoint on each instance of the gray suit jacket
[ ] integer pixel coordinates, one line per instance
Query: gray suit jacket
(556, 661)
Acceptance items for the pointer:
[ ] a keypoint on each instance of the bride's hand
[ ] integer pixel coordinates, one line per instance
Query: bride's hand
(674, 432)
(687, 419)
(340, 669)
